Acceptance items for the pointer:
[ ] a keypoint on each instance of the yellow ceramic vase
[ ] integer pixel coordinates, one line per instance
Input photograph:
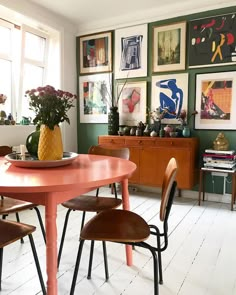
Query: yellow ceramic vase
(50, 144)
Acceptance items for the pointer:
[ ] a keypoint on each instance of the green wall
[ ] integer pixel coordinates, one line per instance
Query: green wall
(88, 133)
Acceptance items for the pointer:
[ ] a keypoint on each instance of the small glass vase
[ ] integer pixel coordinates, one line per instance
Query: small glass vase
(113, 121)
(186, 131)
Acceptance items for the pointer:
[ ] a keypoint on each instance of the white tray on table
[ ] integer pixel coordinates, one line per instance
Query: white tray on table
(29, 161)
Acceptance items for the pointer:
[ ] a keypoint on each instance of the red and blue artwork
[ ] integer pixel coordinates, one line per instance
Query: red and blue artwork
(212, 40)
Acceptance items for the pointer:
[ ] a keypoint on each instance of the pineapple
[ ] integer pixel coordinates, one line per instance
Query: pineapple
(50, 143)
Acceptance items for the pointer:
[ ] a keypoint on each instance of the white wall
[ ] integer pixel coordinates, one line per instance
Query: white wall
(15, 135)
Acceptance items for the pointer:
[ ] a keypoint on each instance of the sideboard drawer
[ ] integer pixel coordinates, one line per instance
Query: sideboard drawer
(112, 140)
(173, 143)
(139, 142)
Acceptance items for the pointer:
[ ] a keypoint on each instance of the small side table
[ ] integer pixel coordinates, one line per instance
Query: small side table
(203, 171)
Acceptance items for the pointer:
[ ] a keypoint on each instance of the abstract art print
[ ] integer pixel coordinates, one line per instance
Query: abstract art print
(170, 92)
(131, 52)
(169, 46)
(215, 101)
(96, 53)
(132, 103)
(95, 94)
(212, 41)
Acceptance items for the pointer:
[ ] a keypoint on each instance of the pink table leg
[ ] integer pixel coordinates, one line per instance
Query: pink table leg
(126, 206)
(51, 247)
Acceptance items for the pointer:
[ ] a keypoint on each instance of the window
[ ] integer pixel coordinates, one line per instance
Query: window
(24, 64)
(33, 65)
(6, 62)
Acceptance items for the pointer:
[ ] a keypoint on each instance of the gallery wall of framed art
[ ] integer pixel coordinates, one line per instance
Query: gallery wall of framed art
(183, 48)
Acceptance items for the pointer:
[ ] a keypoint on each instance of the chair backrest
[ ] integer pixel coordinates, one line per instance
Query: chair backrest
(167, 184)
(5, 150)
(122, 153)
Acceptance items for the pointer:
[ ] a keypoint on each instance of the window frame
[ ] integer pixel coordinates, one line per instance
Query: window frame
(24, 60)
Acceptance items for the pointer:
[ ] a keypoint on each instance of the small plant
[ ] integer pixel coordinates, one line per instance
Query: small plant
(112, 100)
(183, 117)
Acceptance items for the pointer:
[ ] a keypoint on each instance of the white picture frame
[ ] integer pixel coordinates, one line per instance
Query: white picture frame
(132, 103)
(215, 101)
(94, 104)
(170, 91)
(131, 52)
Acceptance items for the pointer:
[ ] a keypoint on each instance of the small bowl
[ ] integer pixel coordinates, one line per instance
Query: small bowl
(173, 134)
(121, 133)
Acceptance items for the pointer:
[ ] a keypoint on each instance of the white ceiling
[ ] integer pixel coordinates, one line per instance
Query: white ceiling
(98, 14)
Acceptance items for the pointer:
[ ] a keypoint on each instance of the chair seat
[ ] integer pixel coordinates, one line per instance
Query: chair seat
(13, 231)
(92, 203)
(127, 227)
(9, 205)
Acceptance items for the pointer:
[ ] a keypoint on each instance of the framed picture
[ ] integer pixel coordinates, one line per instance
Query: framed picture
(170, 92)
(131, 52)
(169, 46)
(212, 41)
(132, 102)
(95, 96)
(96, 53)
(215, 101)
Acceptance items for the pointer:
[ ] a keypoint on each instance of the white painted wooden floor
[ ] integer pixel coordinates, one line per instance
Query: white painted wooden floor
(200, 259)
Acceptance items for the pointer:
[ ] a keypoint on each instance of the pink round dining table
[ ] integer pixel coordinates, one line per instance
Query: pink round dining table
(52, 186)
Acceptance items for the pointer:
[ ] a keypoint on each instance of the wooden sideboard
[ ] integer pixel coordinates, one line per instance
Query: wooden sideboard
(151, 155)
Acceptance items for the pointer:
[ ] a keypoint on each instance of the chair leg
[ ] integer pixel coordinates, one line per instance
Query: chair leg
(72, 290)
(40, 223)
(105, 260)
(18, 220)
(1, 258)
(159, 260)
(63, 237)
(90, 260)
(83, 220)
(155, 271)
(37, 264)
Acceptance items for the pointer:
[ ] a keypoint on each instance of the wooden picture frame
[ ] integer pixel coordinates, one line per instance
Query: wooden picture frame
(132, 102)
(215, 101)
(94, 101)
(212, 41)
(169, 47)
(170, 91)
(96, 53)
(131, 52)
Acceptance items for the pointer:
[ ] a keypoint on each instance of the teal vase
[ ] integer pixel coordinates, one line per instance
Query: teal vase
(186, 131)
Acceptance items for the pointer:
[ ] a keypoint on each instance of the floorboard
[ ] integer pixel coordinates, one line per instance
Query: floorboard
(199, 260)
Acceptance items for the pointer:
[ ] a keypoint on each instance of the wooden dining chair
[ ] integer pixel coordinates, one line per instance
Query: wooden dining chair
(9, 205)
(11, 231)
(91, 203)
(129, 228)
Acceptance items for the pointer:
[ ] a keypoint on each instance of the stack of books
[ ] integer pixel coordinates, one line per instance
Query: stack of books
(219, 159)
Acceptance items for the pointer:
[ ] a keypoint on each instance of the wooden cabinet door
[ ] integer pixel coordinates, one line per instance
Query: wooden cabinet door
(153, 162)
